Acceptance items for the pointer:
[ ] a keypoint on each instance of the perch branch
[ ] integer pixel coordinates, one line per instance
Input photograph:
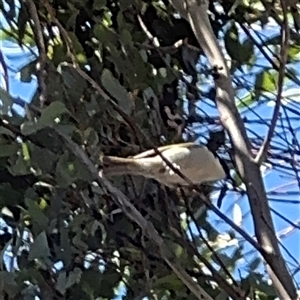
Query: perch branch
(136, 129)
(195, 11)
(132, 213)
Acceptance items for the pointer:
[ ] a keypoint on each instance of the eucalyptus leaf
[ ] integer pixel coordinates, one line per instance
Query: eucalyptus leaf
(73, 277)
(6, 99)
(6, 131)
(27, 71)
(8, 283)
(61, 282)
(37, 216)
(39, 249)
(266, 81)
(112, 85)
(9, 150)
(50, 113)
(29, 127)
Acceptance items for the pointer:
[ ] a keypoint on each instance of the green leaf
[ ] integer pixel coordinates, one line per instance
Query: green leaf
(80, 53)
(20, 167)
(170, 281)
(126, 38)
(61, 282)
(6, 131)
(36, 214)
(124, 4)
(57, 54)
(247, 51)
(29, 127)
(6, 99)
(115, 89)
(73, 277)
(231, 40)
(239, 52)
(246, 101)
(99, 4)
(64, 282)
(15, 197)
(42, 159)
(65, 171)
(8, 283)
(105, 35)
(9, 150)
(27, 71)
(103, 284)
(266, 81)
(39, 249)
(293, 52)
(25, 151)
(50, 113)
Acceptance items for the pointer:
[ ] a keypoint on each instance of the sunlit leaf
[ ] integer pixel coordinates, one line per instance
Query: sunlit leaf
(266, 81)
(36, 214)
(246, 101)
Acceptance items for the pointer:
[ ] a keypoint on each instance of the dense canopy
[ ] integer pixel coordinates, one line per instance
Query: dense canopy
(120, 77)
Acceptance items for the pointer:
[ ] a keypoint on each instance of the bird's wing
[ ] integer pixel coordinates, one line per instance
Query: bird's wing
(151, 152)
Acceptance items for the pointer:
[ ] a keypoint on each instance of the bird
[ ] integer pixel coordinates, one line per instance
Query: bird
(196, 162)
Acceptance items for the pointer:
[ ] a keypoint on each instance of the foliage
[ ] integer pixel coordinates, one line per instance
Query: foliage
(66, 237)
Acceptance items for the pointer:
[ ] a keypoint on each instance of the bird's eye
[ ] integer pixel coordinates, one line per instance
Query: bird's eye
(178, 121)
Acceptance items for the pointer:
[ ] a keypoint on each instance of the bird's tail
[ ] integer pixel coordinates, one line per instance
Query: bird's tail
(113, 166)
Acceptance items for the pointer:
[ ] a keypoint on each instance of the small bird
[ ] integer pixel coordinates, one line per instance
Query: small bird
(196, 162)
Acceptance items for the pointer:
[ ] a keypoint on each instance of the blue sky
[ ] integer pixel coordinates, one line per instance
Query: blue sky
(15, 58)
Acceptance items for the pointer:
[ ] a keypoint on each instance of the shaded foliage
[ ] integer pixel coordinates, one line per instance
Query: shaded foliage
(66, 237)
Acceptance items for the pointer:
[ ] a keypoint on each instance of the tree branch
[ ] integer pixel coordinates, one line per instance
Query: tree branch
(283, 59)
(37, 29)
(195, 11)
(154, 149)
(132, 213)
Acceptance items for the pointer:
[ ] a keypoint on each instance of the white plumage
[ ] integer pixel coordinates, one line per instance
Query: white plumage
(194, 161)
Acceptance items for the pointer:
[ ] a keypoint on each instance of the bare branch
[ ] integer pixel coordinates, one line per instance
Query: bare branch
(283, 59)
(41, 72)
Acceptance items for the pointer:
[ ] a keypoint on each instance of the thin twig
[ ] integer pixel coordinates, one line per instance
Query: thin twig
(5, 71)
(275, 66)
(233, 291)
(196, 13)
(41, 72)
(139, 133)
(64, 34)
(122, 201)
(283, 59)
(170, 165)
